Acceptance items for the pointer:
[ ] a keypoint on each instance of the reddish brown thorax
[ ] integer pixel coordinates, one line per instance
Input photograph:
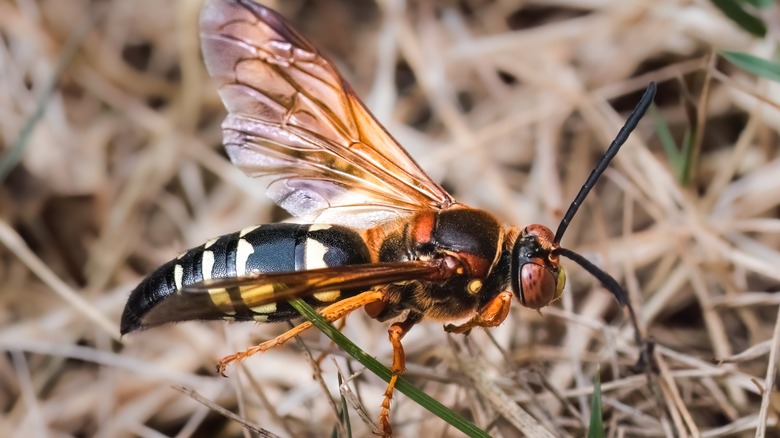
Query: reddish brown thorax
(472, 237)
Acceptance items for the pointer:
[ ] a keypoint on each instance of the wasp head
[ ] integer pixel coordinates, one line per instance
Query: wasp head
(537, 275)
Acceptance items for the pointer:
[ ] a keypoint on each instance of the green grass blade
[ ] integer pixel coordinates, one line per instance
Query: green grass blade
(761, 4)
(753, 64)
(596, 427)
(690, 140)
(734, 10)
(344, 411)
(687, 157)
(671, 149)
(402, 385)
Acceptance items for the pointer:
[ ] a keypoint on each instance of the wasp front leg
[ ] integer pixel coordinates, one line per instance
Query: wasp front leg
(491, 314)
(331, 313)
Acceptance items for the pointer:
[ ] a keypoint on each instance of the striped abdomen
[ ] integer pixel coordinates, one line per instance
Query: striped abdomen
(162, 296)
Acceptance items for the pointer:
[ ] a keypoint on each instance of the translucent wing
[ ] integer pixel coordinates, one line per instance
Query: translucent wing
(292, 115)
(243, 297)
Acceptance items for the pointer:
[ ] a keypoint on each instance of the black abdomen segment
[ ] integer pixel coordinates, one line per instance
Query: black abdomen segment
(159, 298)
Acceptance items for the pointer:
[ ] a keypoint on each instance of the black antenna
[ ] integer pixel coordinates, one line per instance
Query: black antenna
(606, 280)
(645, 360)
(609, 283)
(622, 136)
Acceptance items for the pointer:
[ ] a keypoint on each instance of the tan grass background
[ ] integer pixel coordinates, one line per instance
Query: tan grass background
(509, 103)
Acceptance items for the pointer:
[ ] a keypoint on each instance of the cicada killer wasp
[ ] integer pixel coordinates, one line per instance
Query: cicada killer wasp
(379, 233)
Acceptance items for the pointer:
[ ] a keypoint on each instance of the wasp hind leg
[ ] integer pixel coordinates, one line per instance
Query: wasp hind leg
(395, 333)
(331, 313)
(491, 314)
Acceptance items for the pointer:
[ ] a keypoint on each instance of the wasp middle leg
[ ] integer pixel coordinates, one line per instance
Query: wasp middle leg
(396, 333)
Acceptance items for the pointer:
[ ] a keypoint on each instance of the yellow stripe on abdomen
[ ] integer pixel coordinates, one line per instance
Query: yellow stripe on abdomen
(315, 258)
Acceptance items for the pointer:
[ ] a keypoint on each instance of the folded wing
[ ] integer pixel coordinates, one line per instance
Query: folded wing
(237, 296)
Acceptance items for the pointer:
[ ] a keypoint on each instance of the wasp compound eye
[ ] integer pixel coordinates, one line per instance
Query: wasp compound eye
(538, 286)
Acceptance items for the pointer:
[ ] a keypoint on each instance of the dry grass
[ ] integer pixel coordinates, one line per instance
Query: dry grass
(509, 106)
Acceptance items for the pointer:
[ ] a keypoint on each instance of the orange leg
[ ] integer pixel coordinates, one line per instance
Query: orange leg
(333, 312)
(490, 315)
(395, 333)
